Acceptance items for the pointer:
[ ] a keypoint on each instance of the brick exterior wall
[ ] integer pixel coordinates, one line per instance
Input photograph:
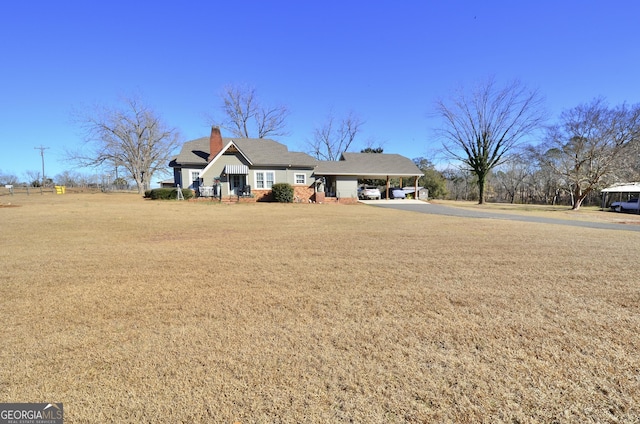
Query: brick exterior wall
(341, 201)
(302, 194)
(260, 195)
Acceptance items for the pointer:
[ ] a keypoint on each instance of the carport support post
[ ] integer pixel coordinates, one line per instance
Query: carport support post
(387, 193)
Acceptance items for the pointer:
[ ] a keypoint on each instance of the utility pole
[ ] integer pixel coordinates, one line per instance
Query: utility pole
(42, 149)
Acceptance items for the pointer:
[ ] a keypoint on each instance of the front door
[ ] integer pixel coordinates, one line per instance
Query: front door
(236, 182)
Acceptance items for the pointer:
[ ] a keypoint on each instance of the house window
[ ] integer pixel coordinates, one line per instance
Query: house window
(301, 178)
(265, 179)
(194, 183)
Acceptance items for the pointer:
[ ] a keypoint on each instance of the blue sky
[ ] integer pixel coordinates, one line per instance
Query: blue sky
(386, 60)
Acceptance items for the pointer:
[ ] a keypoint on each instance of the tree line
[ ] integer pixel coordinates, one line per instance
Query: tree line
(66, 178)
(503, 148)
(501, 132)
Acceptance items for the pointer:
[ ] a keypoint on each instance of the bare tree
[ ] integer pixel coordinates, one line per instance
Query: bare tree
(481, 126)
(8, 178)
(512, 174)
(540, 183)
(584, 148)
(67, 178)
(245, 116)
(627, 164)
(33, 178)
(459, 183)
(334, 136)
(133, 136)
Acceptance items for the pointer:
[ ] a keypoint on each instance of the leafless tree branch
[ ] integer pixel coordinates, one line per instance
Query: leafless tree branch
(131, 135)
(246, 117)
(483, 125)
(586, 147)
(334, 136)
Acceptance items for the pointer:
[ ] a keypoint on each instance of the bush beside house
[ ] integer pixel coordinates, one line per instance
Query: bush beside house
(167, 193)
(282, 192)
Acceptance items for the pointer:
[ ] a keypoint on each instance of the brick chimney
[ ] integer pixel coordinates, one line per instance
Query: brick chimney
(215, 142)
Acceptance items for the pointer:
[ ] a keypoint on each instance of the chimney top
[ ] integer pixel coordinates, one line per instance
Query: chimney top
(215, 142)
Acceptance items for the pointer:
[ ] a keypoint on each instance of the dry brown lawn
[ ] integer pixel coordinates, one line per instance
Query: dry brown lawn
(132, 311)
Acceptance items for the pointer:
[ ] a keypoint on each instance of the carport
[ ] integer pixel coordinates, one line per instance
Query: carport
(341, 177)
(619, 192)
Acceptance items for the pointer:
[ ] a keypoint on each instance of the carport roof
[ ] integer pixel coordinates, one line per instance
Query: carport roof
(623, 188)
(374, 165)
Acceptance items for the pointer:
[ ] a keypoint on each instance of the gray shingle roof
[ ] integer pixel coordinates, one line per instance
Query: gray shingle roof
(259, 151)
(369, 165)
(194, 152)
(266, 152)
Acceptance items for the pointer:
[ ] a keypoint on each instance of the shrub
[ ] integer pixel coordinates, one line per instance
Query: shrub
(167, 193)
(282, 192)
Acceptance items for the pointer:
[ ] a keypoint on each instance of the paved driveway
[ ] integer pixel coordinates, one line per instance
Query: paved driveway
(423, 207)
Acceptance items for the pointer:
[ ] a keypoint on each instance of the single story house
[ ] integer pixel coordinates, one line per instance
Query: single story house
(230, 167)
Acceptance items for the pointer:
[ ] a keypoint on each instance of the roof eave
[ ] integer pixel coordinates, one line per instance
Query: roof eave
(221, 152)
(283, 165)
(369, 174)
(185, 164)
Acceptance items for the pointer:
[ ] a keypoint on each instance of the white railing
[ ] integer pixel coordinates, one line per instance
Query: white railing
(207, 191)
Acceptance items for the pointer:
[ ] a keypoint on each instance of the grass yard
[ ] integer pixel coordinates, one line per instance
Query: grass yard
(132, 311)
